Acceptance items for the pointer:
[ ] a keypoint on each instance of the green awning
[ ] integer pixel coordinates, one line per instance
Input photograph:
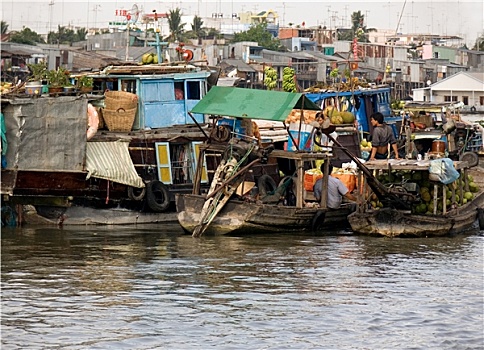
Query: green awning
(252, 103)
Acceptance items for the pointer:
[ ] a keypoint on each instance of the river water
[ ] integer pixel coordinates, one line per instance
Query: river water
(152, 287)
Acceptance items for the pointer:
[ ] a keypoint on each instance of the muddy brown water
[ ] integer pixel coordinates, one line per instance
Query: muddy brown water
(152, 287)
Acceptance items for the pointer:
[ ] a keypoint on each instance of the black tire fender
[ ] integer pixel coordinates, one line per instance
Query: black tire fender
(292, 187)
(472, 158)
(136, 194)
(266, 185)
(157, 196)
(221, 133)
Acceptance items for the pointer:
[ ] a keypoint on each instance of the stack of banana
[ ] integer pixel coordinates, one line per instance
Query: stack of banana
(288, 83)
(270, 80)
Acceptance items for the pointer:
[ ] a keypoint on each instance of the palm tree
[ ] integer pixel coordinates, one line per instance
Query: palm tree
(358, 29)
(81, 34)
(175, 25)
(197, 28)
(3, 27)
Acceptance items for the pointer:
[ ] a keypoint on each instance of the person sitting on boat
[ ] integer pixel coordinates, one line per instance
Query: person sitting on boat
(336, 190)
(381, 137)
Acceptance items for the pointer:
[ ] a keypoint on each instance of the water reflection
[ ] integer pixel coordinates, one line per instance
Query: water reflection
(151, 287)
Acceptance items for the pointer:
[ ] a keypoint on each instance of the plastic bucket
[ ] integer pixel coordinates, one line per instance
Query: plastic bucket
(33, 89)
(301, 139)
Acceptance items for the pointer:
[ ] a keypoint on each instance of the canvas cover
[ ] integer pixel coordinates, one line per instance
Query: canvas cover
(111, 161)
(252, 103)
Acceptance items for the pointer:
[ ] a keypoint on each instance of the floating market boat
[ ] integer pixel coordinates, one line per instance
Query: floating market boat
(441, 209)
(231, 206)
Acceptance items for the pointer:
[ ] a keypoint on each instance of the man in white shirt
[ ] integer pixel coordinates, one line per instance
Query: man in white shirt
(336, 190)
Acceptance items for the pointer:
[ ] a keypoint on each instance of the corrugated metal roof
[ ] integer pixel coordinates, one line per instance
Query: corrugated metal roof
(239, 64)
(111, 161)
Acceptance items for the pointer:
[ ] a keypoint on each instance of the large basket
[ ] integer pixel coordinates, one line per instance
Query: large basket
(120, 99)
(119, 119)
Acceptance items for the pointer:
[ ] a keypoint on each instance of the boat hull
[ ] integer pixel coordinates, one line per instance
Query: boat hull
(238, 217)
(397, 223)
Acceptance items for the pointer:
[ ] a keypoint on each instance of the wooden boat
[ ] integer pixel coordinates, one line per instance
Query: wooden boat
(392, 222)
(235, 214)
(228, 208)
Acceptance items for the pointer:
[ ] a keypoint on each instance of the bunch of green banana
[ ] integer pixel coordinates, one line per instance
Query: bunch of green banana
(288, 83)
(270, 80)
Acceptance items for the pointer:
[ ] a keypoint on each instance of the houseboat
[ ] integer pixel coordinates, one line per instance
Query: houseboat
(52, 160)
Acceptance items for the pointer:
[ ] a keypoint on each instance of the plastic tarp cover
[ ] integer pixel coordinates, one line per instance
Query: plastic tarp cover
(252, 103)
(443, 170)
(111, 161)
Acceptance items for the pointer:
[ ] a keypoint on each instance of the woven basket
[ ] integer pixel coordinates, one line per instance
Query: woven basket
(120, 99)
(119, 119)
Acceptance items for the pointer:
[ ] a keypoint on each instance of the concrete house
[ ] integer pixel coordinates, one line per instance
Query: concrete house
(467, 87)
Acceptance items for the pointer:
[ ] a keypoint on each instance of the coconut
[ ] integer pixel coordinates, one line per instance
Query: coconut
(348, 117)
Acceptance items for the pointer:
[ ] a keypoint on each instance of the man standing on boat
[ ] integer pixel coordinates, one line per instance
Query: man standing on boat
(336, 190)
(381, 137)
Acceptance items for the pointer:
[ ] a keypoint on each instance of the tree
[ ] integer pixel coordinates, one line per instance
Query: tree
(175, 25)
(479, 45)
(358, 29)
(64, 35)
(197, 28)
(81, 34)
(259, 33)
(3, 27)
(26, 36)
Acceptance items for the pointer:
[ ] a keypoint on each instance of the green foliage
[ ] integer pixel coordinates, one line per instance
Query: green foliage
(3, 27)
(64, 35)
(38, 71)
(26, 36)
(81, 34)
(259, 34)
(58, 77)
(85, 81)
(175, 24)
(479, 45)
(358, 29)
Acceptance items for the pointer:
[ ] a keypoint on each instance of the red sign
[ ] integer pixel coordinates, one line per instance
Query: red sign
(123, 13)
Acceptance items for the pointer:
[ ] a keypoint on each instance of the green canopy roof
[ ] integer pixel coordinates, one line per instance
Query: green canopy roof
(252, 103)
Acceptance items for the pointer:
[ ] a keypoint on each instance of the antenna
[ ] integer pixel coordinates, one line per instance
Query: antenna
(133, 14)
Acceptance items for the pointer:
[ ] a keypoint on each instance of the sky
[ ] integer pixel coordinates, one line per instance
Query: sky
(463, 18)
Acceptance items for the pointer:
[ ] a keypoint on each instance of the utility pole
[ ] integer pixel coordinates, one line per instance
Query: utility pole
(95, 10)
(51, 12)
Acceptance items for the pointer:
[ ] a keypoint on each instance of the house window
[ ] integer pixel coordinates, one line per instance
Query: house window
(465, 100)
(450, 98)
(481, 100)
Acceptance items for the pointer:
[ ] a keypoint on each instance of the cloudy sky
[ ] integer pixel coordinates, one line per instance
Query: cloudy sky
(464, 17)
